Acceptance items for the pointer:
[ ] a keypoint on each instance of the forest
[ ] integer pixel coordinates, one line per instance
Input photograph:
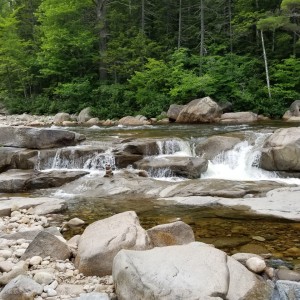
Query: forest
(129, 57)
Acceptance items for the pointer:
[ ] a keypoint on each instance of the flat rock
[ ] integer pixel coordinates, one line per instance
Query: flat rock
(13, 181)
(6, 204)
(37, 138)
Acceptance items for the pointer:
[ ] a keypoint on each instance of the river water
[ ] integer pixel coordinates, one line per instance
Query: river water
(226, 228)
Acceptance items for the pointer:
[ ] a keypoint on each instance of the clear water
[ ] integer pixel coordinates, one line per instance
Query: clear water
(227, 228)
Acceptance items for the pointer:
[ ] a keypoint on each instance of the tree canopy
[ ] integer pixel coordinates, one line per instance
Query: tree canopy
(139, 56)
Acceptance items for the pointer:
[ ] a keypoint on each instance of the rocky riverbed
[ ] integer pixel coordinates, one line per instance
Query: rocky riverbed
(36, 262)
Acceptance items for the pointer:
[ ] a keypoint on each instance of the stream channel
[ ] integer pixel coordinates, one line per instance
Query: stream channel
(226, 228)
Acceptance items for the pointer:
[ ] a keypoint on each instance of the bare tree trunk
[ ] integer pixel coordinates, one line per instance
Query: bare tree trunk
(202, 31)
(102, 33)
(179, 24)
(230, 26)
(266, 63)
(143, 16)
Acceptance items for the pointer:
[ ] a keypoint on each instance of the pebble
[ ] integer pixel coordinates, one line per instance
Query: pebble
(255, 264)
(35, 260)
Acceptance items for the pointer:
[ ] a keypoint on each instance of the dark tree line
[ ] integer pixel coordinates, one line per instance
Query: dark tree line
(139, 56)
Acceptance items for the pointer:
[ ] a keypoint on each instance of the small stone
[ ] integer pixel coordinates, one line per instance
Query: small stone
(51, 292)
(15, 213)
(19, 252)
(270, 272)
(5, 253)
(43, 278)
(6, 266)
(35, 260)
(258, 238)
(255, 264)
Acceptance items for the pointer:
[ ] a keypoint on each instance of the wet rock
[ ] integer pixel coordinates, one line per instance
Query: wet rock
(176, 233)
(215, 145)
(143, 147)
(21, 288)
(286, 290)
(190, 167)
(284, 274)
(294, 252)
(35, 138)
(254, 248)
(203, 110)
(47, 244)
(102, 240)
(281, 151)
(255, 264)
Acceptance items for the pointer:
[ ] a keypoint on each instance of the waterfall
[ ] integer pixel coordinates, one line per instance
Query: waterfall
(71, 159)
(175, 147)
(240, 163)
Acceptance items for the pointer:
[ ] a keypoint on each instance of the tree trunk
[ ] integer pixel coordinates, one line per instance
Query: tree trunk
(266, 63)
(202, 31)
(179, 24)
(102, 34)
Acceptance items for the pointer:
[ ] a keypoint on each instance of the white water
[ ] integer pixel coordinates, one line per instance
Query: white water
(175, 147)
(241, 163)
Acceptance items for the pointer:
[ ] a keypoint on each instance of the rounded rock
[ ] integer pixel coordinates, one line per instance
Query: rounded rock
(255, 264)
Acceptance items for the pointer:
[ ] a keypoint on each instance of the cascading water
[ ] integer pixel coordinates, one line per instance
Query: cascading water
(240, 163)
(175, 147)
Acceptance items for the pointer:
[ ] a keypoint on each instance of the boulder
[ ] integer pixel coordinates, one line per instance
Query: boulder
(174, 111)
(176, 233)
(145, 147)
(14, 181)
(203, 110)
(193, 271)
(59, 118)
(37, 138)
(239, 117)
(46, 244)
(281, 151)
(286, 290)
(190, 167)
(295, 108)
(93, 121)
(8, 158)
(21, 288)
(215, 145)
(84, 115)
(132, 121)
(102, 240)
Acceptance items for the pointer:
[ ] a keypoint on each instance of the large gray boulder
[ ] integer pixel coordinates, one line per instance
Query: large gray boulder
(239, 117)
(176, 233)
(281, 151)
(21, 288)
(102, 240)
(84, 115)
(193, 271)
(203, 110)
(174, 111)
(37, 138)
(190, 167)
(47, 244)
(215, 145)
